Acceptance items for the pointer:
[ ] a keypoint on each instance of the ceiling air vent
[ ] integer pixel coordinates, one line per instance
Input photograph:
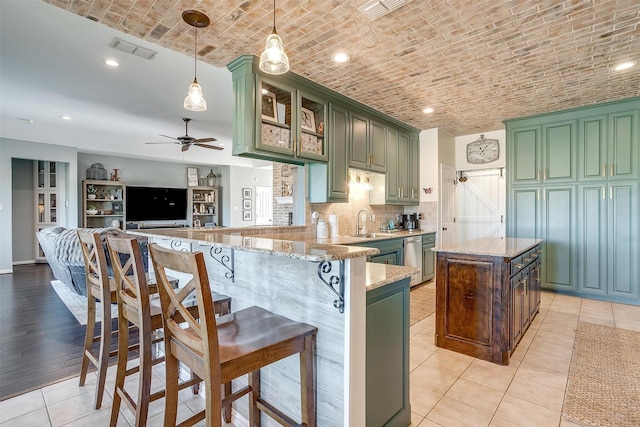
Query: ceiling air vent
(131, 48)
(375, 9)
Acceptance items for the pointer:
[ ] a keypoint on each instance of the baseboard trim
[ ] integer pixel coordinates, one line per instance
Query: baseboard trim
(9, 271)
(31, 261)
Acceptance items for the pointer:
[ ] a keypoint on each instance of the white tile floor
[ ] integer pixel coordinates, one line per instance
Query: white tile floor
(447, 388)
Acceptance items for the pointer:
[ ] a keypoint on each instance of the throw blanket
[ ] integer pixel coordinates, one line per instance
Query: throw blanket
(67, 247)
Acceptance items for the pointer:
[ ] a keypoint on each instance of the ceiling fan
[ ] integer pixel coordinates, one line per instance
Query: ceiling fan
(187, 141)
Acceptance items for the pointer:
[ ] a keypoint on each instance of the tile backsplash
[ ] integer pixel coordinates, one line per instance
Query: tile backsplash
(347, 213)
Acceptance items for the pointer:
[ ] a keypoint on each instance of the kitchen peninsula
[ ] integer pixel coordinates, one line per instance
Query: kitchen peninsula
(325, 285)
(487, 295)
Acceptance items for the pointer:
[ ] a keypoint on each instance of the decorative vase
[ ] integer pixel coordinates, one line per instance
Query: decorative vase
(91, 196)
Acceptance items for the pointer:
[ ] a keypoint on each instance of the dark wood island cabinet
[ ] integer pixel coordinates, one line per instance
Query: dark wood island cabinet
(487, 295)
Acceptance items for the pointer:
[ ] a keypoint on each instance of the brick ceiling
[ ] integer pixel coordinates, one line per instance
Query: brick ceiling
(475, 62)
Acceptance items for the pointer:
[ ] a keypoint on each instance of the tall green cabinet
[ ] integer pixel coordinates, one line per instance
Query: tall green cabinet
(573, 180)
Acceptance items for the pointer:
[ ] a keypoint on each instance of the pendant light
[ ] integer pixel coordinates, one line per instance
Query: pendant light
(195, 100)
(273, 60)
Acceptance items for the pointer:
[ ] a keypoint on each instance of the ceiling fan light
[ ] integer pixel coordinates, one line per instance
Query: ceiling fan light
(194, 100)
(273, 60)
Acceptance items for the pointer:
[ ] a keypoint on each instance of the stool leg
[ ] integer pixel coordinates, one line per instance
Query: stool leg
(307, 388)
(123, 355)
(103, 354)
(144, 378)
(254, 412)
(171, 389)
(88, 336)
(226, 411)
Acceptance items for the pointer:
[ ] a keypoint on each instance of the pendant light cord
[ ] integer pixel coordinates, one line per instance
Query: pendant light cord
(195, 53)
(274, 17)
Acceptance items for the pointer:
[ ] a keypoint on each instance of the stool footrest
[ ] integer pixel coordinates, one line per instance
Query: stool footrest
(276, 414)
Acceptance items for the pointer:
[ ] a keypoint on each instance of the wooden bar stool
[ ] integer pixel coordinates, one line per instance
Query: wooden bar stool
(136, 306)
(99, 287)
(219, 351)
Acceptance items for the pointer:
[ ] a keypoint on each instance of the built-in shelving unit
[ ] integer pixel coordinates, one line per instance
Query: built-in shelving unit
(47, 183)
(106, 207)
(202, 207)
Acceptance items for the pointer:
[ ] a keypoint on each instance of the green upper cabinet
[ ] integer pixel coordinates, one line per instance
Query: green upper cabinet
(368, 144)
(592, 151)
(525, 154)
(328, 181)
(544, 153)
(403, 168)
(414, 169)
(391, 182)
(609, 146)
(291, 121)
(559, 151)
(622, 151)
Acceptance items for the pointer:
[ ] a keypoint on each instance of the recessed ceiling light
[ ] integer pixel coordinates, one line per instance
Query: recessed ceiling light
(428, 110)
(30, 121)
(112, 63)
(65, 117)
(341, 57)
(625, 65)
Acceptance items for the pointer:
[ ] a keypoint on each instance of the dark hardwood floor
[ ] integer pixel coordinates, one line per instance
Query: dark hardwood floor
(40, 340)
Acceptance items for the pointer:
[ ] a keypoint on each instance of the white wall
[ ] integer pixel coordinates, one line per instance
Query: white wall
(23, 210)
(16, 149)
(245, 178)
(429, 164)
(461, 150)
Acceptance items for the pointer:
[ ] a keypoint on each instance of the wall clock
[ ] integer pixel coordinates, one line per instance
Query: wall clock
(483, 151)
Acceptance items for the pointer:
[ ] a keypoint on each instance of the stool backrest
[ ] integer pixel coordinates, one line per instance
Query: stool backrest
(199, 338)
(95, 266)
(131, 283)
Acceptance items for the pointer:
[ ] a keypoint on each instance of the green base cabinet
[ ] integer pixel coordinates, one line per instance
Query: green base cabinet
(387, 359)
(573, 180)
(428, 256)
(391, 251)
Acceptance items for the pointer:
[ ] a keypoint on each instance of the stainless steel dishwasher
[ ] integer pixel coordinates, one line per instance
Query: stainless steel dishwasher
(413, 256)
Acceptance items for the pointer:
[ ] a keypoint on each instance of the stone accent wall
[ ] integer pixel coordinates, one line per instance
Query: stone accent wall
(282, 186)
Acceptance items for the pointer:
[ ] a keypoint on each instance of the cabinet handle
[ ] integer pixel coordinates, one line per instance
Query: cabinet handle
(545, 175)
(611, 170)
(603, 196)
(526, 288)
(611, 193)
(469, 295)
(526, 259)
(518, 265)
(538, 175)
(399, 192)
(604, 171)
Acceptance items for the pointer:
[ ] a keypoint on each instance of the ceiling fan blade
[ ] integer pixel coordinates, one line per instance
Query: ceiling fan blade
(185, 147)
(167, 136)
(162, 142)
(205, 140)
(212, 147)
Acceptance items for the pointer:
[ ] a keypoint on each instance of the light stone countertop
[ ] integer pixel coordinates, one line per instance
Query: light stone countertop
(379, 275)
(491, 246)
(382, 235)
(304, 249)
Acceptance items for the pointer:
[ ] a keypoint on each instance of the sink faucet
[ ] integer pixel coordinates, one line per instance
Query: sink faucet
(358, 219)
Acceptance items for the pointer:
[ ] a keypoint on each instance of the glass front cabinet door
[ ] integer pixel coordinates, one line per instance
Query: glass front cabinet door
(292, 122)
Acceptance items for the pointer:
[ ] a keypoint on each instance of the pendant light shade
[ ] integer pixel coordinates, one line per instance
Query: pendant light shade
(273, 60)
(195, 99)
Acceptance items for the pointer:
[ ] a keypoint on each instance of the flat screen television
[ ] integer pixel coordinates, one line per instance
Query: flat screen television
(156, 204)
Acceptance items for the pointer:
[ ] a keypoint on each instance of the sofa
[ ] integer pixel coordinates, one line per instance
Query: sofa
(61, 247)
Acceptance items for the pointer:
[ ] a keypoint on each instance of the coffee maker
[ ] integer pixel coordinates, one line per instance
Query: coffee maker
(409, 221)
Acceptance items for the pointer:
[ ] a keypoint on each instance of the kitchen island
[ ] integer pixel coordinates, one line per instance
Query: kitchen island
(323, 285)
(487, 295)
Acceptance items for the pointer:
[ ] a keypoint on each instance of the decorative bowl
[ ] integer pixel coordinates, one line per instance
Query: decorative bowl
(92, 211)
